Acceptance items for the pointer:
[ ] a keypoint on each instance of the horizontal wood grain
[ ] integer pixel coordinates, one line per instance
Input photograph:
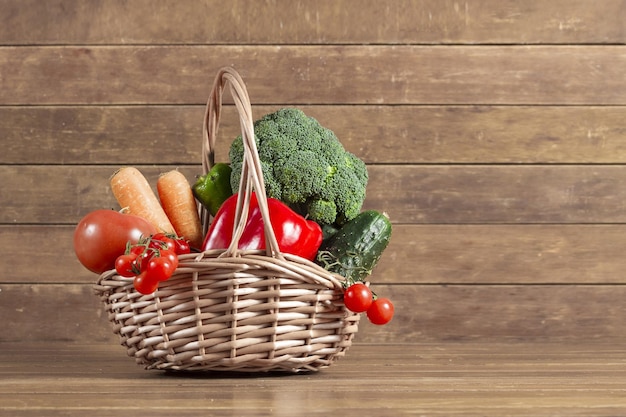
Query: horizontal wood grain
(503, 254)
(377, 134)
(474, 75)
(494, 132)
(444, 379)
(302, 22)
(475, 360)
(417, 254)
(424, 313)
(495, 138)
(409, 193)
(498, 194)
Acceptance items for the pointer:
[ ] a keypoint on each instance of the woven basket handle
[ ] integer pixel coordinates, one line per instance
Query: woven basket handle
(251, 173)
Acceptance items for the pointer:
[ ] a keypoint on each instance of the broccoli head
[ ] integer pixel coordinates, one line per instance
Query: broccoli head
(305, 166)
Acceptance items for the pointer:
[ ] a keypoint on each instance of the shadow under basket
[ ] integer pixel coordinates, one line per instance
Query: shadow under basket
(232, 309)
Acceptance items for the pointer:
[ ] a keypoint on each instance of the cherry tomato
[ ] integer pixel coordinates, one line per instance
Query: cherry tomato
(159, 236)
(101, 236)
(182, 246)
(126, 266)
(145, 254)
(357, 297)
(138, 250)
(160, 268)
(171, 255)
(163, 241)
(145, 284)
(381, 311)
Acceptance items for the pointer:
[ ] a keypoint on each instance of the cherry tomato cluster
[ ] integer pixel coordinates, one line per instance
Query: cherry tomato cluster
(151, 260)
(358, 298)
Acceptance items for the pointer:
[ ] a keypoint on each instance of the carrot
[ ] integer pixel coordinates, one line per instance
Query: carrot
(133, 193)
(180, 206)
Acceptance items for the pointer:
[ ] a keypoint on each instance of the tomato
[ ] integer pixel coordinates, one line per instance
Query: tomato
(163, 241)
(138, 250)
(381, 311)
(182, 246)
(101, 236)
(160, 268)
(357, 297)
(171, 255)
(145, 284)
(149, 262)
(126, 265)
(144, 254)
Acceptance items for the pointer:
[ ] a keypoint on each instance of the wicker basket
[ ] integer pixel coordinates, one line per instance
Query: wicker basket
(233, 310)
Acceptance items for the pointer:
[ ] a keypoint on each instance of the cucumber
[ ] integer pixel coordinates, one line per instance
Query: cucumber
(328, 230)
(356, 248)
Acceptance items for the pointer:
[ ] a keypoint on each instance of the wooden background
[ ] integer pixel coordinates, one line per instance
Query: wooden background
(494, 132)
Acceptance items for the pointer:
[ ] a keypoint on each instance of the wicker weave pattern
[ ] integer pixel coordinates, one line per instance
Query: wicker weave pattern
(233, 310)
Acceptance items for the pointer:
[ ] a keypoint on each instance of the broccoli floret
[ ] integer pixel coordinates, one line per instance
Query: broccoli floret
(305, 166)
(308, 168)
(348, 188)
(323, 211)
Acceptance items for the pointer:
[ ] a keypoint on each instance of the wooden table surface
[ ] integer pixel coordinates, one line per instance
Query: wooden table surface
(494, 137)
(372, 380)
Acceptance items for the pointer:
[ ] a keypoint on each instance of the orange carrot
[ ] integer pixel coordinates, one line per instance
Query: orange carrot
(133, 193)
(180, 206)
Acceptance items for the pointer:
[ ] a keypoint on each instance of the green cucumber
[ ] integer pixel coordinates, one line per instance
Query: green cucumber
(328, 230)
(356, 248)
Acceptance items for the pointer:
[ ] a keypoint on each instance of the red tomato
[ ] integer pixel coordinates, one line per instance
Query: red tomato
(163, 241)
(144, 254)
(138, 250)
(160, 268)
(171, 255)
(125, 265)
(182, 246)
(357, 297)
(101, 236)
(144, 284)
(381, 311)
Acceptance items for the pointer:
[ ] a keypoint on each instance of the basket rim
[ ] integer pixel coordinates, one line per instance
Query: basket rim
(294, 265)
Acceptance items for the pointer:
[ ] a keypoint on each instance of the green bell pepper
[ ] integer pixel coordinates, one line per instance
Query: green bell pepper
(212, 189)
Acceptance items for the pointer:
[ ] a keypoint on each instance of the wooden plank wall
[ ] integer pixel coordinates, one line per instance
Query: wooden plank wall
(494, 131)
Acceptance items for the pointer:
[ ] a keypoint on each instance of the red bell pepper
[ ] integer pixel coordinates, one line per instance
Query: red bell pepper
(295, 234)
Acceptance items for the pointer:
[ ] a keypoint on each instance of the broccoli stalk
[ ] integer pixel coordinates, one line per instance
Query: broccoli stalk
(305, 166)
